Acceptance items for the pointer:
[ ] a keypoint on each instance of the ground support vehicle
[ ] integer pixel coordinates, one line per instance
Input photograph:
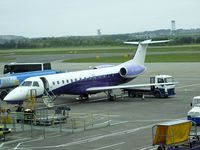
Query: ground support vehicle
(51, 120)
(25, 67)
(175, 135)
(159, 91)
(194, 113)
(44, 116)
(4, 131)
(56, 115)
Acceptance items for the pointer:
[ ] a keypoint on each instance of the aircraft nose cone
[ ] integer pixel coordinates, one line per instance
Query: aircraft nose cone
(17, 94)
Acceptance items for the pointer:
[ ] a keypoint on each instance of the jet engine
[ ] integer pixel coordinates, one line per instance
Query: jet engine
(131, 71)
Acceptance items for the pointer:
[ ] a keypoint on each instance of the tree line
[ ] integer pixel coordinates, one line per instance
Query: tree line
(107, 40)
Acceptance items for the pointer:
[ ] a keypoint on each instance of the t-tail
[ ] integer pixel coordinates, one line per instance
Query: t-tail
(140, 54)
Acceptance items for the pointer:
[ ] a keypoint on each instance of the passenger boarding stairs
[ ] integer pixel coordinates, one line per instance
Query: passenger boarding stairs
(48, 98)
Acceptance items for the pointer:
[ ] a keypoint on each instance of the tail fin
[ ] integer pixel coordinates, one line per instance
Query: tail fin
(140, 54)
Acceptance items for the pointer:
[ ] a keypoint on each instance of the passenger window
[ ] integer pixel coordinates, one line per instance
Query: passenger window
(58, 82)
(67, 81)
(63, 81)
(71, 80)
(35, 84)
(53, 83)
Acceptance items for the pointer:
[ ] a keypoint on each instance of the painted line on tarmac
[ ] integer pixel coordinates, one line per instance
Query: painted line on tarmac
(110, 146)
(13, 141)
(16, 147)
(156, 120)
(95, 138)
(36, 139)
(92, 139)
(119, 123)
(187, 86)
(149, 148)
(87, 137)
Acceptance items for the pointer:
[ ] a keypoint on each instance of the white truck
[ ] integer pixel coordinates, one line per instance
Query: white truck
(194, 113)
(159, 91)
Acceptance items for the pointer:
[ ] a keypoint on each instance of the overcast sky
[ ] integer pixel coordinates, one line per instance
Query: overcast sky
(40, 18)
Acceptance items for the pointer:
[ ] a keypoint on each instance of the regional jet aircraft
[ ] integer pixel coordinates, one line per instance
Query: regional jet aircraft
(103, 78)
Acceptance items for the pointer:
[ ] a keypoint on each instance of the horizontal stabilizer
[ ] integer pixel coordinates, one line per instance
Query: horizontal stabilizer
(147, 42)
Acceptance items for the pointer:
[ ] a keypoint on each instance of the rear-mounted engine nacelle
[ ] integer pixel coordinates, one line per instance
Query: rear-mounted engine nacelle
(131, 71)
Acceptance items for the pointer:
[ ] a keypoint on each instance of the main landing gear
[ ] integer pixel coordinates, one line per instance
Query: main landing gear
(111, 96)
(84, 97)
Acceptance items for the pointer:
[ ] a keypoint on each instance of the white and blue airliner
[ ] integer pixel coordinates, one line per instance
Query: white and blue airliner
(103, 78)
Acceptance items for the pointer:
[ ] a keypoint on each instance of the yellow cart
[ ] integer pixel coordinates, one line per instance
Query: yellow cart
(4, 131)
(173, 133)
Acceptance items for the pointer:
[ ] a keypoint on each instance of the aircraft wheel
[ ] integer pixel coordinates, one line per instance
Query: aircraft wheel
(3, 94)
(84, 97)
(159, 148)
(112, 98)
(8, 111)
(157, 95)
(133, 95)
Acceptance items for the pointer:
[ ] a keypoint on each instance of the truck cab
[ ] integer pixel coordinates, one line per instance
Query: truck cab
(194, 113)
(163, 90)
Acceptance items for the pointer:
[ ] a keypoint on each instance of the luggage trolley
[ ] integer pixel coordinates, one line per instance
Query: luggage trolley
(175, 135)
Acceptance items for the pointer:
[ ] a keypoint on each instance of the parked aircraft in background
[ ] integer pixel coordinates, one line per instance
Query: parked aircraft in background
(103, 78)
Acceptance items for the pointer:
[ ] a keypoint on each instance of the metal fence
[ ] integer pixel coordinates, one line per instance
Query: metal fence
(45, 121)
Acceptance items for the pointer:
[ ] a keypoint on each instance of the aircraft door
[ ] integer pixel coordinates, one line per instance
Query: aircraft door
(152, 81)
(161, 87)
(46, 84)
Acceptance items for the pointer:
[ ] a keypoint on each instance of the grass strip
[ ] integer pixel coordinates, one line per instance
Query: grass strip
(6, 58)
(194, 57)
(120, 49)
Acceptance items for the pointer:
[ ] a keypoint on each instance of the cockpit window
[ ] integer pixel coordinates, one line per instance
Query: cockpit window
(27, 83)
(197, 105)
(35, 84)
(160, 80)
(168, 80)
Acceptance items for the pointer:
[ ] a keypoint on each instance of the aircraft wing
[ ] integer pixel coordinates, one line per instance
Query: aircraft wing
(105, 88)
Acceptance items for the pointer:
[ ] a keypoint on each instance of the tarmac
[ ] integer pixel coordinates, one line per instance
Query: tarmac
(131, 119)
